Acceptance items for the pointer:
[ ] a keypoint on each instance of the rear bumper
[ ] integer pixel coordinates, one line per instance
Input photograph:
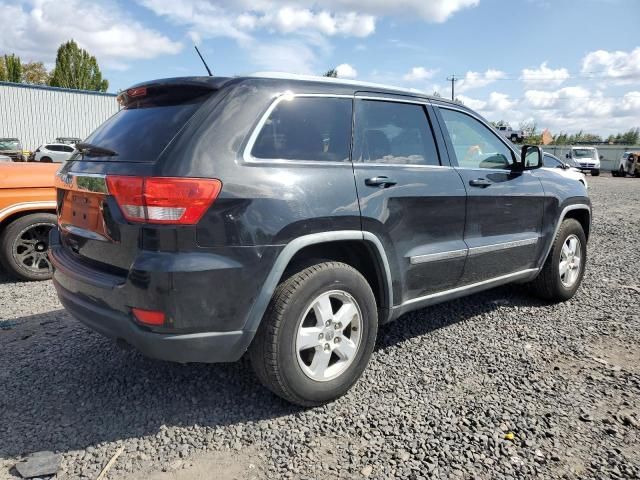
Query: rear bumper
(207, 347)
(206, 296)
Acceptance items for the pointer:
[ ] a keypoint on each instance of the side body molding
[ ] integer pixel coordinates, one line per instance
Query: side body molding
(293, 247)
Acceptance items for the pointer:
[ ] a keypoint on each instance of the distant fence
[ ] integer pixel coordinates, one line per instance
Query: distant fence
(611, 153)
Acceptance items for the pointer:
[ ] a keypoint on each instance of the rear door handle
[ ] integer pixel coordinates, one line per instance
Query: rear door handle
(480, 182)
(381, 181)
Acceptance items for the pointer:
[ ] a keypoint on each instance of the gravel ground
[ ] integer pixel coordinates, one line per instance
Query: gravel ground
(497, 385)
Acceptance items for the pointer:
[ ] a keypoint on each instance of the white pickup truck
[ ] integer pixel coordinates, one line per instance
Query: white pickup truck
(513, 135)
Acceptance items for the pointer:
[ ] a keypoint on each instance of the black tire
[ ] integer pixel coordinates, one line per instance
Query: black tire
(548, 284)
(273, 352)
(595, 173)
(34, 226)
(46, 160)
(514, 138)
(622, 172)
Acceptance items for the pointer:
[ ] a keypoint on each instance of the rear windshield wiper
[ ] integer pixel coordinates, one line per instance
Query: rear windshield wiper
(96, 150)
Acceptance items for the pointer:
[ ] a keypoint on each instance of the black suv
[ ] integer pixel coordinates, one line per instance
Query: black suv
(289, 217)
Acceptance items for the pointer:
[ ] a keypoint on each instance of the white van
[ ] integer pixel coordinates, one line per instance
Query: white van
(586, 159)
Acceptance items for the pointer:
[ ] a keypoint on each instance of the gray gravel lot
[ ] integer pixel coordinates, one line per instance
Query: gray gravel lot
(497, 385)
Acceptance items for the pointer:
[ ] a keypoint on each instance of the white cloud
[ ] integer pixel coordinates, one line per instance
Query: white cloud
(473, 80)
(344, 70)
(291, 56)
(417, 74)
(618, 65)
(436, 11)
(544, 75)
(38, 27)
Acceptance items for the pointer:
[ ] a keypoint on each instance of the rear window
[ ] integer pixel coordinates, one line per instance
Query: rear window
(307, 128)
(141, 130)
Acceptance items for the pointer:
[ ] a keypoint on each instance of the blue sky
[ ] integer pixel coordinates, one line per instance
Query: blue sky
(566, 64)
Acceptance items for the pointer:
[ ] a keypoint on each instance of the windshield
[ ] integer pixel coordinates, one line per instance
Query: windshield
(9, 144)
(584, 153)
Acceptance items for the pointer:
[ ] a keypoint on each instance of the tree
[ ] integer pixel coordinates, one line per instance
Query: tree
(75, 68)
(35, 73)
(632, 137)
(12, 68)
(528, 127)
(333, 73)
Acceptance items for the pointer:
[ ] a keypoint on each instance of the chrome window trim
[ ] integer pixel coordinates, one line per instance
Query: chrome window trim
(247, 157)
(402, 165)
(415, 101)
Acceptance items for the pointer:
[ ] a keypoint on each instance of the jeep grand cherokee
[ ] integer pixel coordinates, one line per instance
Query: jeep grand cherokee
(288, 217)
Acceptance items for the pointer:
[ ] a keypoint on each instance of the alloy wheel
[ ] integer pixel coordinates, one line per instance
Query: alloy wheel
(30, 248)
(328, 335)
(570, 261)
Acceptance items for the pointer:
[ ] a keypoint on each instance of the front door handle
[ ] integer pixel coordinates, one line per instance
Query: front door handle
(381, 181)
(480, 182)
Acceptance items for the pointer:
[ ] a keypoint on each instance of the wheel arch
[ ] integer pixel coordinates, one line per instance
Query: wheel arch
(580, 212)
(16, 214)
(349, 246)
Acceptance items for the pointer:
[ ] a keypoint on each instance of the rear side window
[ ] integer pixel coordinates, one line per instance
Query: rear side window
(393, 133)
(306, 128)
(144, 127)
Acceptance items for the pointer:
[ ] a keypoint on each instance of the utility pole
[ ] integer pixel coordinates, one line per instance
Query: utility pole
(453, 81)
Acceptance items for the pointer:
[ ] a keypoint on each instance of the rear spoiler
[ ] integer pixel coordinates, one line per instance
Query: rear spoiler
(169, 91)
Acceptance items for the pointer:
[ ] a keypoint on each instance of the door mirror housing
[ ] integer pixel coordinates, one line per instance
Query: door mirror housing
(530, 158)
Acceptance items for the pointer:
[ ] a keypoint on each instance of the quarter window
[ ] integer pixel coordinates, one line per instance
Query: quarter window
(307, 128)
(393, 133)
(474, 144)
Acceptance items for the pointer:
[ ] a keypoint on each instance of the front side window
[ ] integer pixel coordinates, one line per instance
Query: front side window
(393, 133)
(307, 128)
(474, 144)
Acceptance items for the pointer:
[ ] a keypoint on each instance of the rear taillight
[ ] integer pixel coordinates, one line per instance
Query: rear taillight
(165, 200)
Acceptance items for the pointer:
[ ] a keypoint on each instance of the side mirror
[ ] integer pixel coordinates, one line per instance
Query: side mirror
(567, 156)
(530, 158)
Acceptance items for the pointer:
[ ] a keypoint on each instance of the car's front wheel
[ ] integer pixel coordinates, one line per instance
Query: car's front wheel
(595, 173)
(563, 270)
(317, 335)
(24, 244)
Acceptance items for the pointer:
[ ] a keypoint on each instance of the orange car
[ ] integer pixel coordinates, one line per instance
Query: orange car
(27, 213)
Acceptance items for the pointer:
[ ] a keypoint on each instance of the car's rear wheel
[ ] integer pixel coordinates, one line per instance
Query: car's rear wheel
(563, 270)
(24, 244)
(514, 138)
(622, 172)
(317, 335)
(46, 160)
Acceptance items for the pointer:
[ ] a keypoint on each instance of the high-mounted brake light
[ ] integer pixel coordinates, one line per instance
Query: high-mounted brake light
(137, 92)
(164, 200)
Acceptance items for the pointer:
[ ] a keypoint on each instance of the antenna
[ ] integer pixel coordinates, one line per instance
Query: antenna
(205, 63)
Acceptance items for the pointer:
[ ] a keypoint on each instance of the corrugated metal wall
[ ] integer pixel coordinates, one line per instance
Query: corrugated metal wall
(38, 115)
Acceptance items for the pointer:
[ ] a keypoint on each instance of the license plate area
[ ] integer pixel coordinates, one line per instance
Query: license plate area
(83, 212)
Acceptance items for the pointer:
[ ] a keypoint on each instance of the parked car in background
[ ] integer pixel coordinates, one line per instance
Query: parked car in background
(27, 214)
(586, 159)
(4, 158)
(629, 164)
(53, 153)
(12, 148)
(513, 135)
(554, 164)
(68, 140)
(247, 219)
